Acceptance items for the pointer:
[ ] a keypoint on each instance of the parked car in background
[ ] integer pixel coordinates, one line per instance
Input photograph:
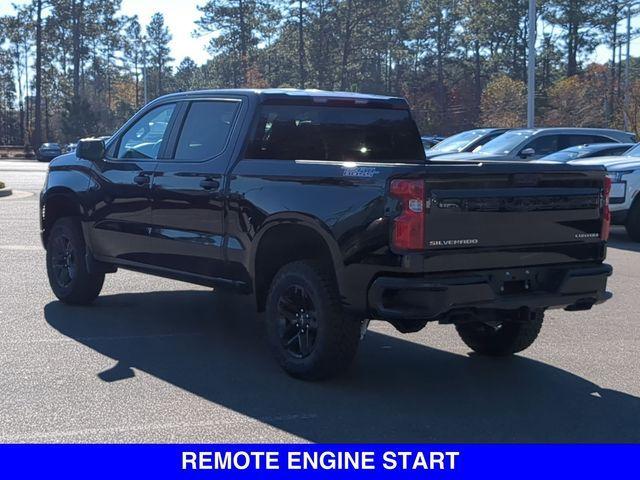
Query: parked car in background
(48, 151)
(429, 141)
(532, 144)
(467, 141)
(71, 147)
(587, 151)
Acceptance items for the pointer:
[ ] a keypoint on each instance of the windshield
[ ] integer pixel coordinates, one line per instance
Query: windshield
(457, 142)
(633, 152)
(505, 143)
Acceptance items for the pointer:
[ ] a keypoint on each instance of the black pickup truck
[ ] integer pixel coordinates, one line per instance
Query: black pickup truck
(321, 206)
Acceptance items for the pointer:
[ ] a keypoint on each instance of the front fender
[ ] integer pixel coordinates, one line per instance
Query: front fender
(63, 195)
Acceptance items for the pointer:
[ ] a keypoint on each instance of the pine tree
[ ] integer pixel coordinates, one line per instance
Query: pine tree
(159, 38)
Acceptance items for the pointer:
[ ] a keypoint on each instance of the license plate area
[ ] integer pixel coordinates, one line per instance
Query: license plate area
(514, 287)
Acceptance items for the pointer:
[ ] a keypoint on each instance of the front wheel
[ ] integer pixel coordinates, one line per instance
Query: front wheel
(310, 335)
(67, 270)
(501, 337)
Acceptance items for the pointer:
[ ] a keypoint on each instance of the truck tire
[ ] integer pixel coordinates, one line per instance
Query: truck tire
(633, 222)
(309, 333)
(505, 338)
(67, 270)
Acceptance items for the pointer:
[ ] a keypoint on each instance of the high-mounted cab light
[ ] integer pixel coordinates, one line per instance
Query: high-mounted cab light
(340, 102)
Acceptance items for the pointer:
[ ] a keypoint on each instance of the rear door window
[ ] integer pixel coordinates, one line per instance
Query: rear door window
(206, 129)
(296, 132)
(573, 140)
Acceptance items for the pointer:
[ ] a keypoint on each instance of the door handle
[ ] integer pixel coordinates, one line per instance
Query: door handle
(209, 184)
(141, 179)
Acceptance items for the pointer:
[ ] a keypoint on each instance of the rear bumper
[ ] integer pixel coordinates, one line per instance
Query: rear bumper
(426, 298)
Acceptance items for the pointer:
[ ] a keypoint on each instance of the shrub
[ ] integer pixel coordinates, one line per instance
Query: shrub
(504, 103)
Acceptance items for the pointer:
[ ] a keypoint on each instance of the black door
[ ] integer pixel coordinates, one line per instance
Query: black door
(121, 217)
(188, 190)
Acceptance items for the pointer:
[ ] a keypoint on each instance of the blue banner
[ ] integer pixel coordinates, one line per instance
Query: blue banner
(319, 461)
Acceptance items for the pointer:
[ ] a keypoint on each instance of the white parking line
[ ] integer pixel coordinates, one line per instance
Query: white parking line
(115, 338)
(244, 420)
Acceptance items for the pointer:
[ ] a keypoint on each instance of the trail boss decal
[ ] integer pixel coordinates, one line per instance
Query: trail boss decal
(363, 172)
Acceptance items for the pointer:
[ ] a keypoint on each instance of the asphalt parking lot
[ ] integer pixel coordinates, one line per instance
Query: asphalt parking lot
(155, 360)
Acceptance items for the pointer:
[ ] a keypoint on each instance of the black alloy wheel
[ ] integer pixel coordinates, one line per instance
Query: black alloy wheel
(63, 260)
(310, 334)
(297, 321)
(67, 269)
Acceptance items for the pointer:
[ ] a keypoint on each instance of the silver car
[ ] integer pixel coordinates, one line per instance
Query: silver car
(532, 144)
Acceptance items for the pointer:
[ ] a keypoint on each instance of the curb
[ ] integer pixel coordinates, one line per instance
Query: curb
(5, 192)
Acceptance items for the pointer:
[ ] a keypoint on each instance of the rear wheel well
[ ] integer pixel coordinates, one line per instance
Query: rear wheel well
(282, 245)
(55, 208)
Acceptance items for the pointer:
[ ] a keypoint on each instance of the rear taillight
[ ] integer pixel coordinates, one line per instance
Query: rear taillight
(408, 227)
(606, 212)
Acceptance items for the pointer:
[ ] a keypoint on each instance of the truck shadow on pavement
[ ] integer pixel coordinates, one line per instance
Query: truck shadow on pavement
(397, 391)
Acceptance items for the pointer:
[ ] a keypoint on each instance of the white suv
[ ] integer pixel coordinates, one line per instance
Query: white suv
(624, 172)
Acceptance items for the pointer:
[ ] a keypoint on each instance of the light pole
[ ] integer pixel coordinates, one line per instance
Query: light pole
(531, 65)
(144, 69)
(627, 59)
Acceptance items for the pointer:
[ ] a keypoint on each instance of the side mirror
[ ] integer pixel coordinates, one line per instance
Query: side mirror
(527, 152)
(92, 149)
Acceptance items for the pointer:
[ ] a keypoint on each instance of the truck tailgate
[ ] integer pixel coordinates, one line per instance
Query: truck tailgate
(513, 209)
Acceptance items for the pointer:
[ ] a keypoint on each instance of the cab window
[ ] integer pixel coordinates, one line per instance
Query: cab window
(335, 133)
(144, 138)
(206, 129)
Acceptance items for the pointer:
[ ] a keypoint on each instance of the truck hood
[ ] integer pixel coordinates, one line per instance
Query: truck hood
(616, 167)
(607, 162)
(63, 159)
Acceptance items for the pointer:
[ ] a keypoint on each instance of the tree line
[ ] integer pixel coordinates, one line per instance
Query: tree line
(71, 68)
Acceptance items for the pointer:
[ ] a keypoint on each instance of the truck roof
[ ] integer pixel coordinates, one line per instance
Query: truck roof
(295, 95)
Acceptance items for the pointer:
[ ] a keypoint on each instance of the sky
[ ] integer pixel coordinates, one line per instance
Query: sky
(180, 16)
